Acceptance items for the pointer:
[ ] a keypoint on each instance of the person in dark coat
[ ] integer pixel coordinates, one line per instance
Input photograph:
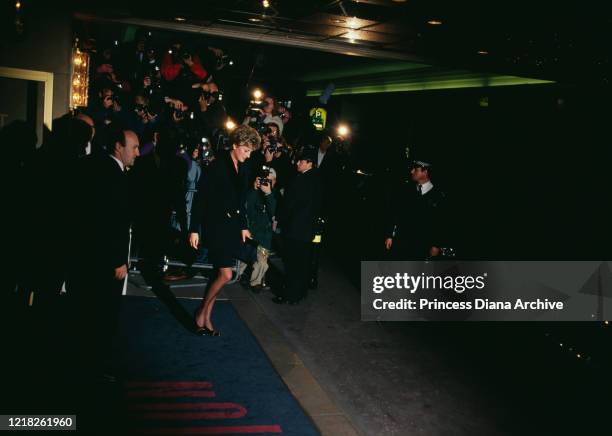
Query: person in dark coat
(260, 208)
(297, 219)
(219, 216)
(417, 228)
(157, 183)
(100, 248)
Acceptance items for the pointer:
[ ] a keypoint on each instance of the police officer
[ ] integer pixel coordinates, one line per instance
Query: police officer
(417, 228)
(297, 218)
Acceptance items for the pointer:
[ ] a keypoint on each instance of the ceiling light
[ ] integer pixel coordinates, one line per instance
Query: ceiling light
(351, 35)
(180, 19)
(353, 23)
(434, 22)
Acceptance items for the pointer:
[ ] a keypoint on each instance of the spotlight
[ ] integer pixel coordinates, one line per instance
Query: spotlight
(434, 22)
(180, 19)
(230, 125)
(257, 94)
(343, 130)
(265, 3)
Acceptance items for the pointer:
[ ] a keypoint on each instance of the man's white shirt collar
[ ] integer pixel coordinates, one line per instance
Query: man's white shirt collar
(426, 187)
(321, 155)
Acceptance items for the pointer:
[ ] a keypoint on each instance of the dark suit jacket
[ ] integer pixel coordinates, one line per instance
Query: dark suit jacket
(301, 206)
(418, 222)
(218, 211)
(102, 217)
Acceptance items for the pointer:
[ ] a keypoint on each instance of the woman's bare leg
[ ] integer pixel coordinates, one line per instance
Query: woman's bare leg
(204, 315)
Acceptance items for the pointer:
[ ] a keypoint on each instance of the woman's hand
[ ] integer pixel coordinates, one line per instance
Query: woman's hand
(194, 240)
(246, 234)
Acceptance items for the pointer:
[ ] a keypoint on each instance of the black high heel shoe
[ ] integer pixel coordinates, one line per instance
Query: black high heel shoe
(203, 331)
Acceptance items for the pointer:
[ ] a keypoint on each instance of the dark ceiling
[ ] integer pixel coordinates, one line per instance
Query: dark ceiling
(565, 41)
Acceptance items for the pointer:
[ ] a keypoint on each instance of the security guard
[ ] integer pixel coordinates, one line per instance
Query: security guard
(417, 228)
(297, 217)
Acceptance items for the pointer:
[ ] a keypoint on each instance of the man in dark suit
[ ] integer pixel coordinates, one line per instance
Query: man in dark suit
(300, 209)
(418, 229)
(102, 224)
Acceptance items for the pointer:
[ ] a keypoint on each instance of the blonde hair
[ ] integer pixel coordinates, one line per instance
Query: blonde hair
(247, 136)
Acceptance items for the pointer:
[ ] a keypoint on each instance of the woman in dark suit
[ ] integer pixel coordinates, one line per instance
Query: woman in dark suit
(218, 215)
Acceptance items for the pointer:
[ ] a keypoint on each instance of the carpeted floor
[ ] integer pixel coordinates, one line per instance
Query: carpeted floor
(178, 383)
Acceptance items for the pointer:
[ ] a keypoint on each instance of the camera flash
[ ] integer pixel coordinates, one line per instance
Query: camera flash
(343, 130)
(230, 125)
(204, 140)
(231, 62)
(257, 94)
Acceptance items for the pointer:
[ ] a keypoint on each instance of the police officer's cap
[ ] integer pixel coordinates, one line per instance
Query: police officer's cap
(421, 164)
(308, 153)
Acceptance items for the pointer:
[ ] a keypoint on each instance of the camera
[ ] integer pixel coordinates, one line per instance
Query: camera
(216, 95)
(263, 175)
(255, 109)
(273, 147)
(144, 108)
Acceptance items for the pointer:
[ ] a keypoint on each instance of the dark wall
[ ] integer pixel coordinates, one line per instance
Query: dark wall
(528, 175)
(46, 45)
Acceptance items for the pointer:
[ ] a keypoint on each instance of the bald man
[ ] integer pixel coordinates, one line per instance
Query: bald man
(102, 242)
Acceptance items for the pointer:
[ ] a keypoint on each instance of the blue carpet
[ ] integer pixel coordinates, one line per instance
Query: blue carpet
(180, 383)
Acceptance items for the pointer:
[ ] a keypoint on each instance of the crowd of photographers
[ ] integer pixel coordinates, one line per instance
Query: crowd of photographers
(170, 100)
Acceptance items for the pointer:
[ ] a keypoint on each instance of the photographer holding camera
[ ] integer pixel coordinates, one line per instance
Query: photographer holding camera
(212, 113)
(178, 62)
(143, 116)
(260, 209)
(106, 108)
